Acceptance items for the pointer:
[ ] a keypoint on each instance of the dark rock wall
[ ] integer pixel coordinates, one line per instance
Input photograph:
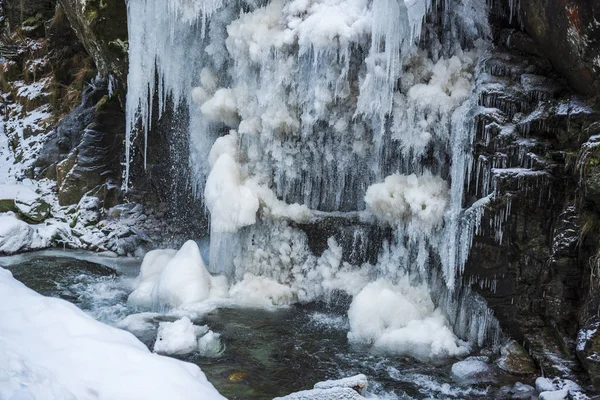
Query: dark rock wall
(534, 259)
(101, 26)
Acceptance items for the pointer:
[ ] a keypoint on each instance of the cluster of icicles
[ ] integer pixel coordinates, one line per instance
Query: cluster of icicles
(307, 110)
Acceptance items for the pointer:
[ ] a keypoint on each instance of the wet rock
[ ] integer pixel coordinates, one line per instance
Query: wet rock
(515, 360)
(588, 350)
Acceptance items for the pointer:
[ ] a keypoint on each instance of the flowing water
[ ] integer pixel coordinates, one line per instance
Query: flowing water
(267, 353)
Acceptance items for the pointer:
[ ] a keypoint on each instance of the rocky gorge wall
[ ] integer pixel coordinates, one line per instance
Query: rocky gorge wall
(535, 258)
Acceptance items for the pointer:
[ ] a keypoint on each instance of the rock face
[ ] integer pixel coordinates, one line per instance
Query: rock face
(534, 260)
(101, 25)
(19, 11)
(567, 33)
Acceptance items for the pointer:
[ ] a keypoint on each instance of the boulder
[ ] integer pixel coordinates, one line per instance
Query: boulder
(516, 360)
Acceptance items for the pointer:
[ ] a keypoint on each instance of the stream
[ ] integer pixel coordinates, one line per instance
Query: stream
(266, 352)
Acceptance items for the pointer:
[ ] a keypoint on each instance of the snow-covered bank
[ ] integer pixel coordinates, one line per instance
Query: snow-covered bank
(52, 350)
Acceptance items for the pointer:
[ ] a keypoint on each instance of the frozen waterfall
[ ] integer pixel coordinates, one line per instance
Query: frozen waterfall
(355, 115)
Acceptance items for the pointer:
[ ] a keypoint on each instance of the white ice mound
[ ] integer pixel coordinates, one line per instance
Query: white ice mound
(258, 291)
(172, 279)
(52, 350)
(402, 319)
(422, 199)
(153, 265)
(179, 337)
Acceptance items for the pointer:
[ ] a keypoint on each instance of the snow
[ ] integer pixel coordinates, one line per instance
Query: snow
(179, 337)
(554, 395)
(402, 319)
(401, 197)
(557, 389)
(17, 192)
(257, 291)
(337, 393)
(51, 350)
(357, 381)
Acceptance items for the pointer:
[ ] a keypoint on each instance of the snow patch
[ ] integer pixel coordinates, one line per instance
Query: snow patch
(51, 342)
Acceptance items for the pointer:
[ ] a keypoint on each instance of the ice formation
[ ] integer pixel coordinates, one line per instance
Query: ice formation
(179, 337)
(260, 291)
(311, 111)
(419, 198)
(402, 319)
(172, 278)
(51, 350)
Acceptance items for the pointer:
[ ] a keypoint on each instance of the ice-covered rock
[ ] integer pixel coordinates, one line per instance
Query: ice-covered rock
(558, 389)
(23, 199)
(554, 395)
(337, 393)
(472, 369)
(209, 345)
(15, 235)
(185, 278)
(350, 388)
(543, 384)
(358, 383)
(153, 264)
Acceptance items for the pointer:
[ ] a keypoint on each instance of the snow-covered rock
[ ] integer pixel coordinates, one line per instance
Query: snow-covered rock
(23, 199)
(51, 350)
(15, 235)
(351, 388)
